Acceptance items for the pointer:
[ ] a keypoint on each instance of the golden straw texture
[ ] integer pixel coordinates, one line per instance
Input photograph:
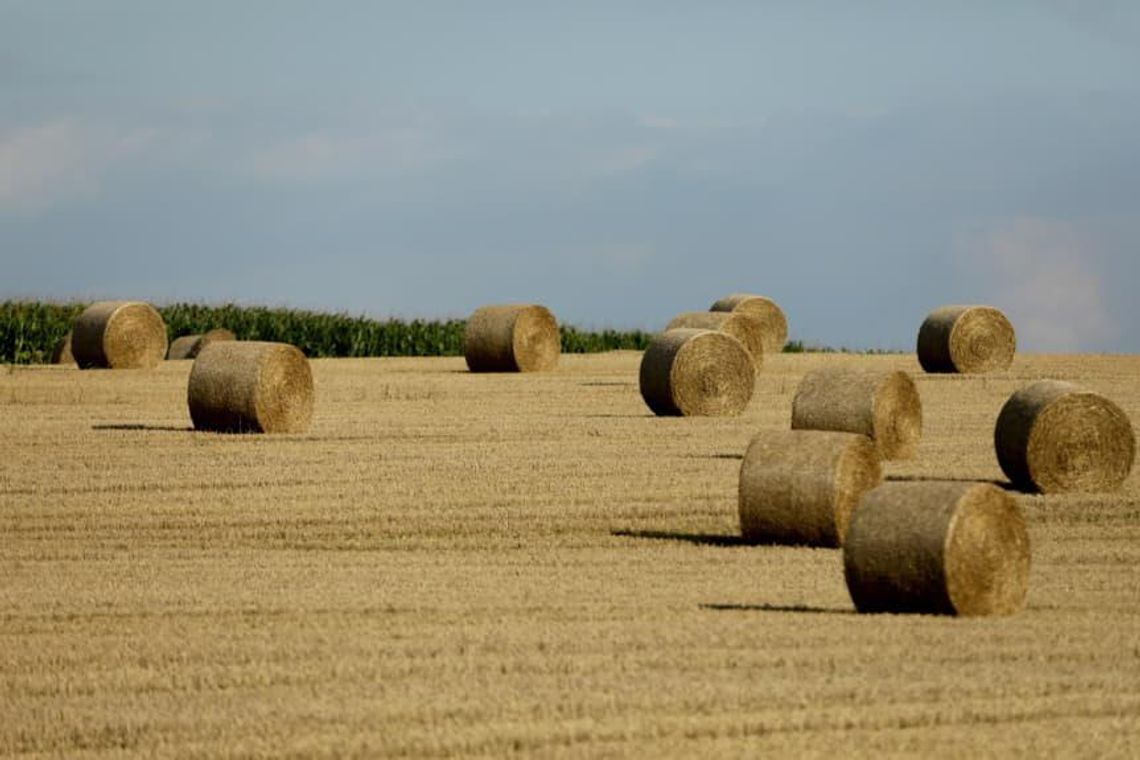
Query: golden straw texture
(774, 322)
(1055, 437)
(119, 335)
(746, 328)
(970, 339)
(801, 486)
(694, 372)
(512, 338)
(882, 405)
(61, 354)
(251, 386)
(188, 346)
(938, 547)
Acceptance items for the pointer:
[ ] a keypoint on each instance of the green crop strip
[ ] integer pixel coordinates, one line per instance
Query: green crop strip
(29, 330)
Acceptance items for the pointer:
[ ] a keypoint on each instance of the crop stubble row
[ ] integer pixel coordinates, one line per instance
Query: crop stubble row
(469, 564)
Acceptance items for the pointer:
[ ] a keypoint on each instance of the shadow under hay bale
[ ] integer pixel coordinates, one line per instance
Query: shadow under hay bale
(1055, 437)
(118, 335)
(774, 324)
(699, 539)
(800, 487)
(512, 338)
(939, 548)
(966, 339)
(690, 372)
(251, 387)
(885, 406)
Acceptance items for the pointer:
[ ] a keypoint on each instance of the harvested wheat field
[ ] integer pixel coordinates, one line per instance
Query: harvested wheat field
(450, 563)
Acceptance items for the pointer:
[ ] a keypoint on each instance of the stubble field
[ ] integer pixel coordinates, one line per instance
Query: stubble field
(451, 564)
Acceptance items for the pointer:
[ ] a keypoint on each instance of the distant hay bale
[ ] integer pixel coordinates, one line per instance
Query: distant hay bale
(745, 327)
(694, 372)
(801, 486)
(1055, 437)
(61, 354)
(118, 335)
(971, 339)
(937, 547)
(884, 406)
(183, 347)
(774, 322)
(512, 338)
(188, 346)
(251, 386)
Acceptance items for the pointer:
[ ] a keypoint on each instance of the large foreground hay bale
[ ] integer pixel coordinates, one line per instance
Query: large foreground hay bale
(746, 328)
(512, 338)
(189, 346)
(61, 354)
(884, 406)
(1054, 437)
(693, 372)
(801, 486)
(937, 547)
(251, 386)
(774, 322)
(966, 339)
(118, 335)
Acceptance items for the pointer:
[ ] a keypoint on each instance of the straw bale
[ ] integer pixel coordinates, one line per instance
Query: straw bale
(118, 335)
(801, 486)
(937, 547)
(512, 338)
(188, 346)
(694, 372)
(771, 316)
(1056, 437)
(884, 406)
(746, 328)
(251, 386)
(61, 354)
(968, 339)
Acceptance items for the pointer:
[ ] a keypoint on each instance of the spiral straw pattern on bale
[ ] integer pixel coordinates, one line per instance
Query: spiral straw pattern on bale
(968, 339)
(1056, 437)
(884, 406)
(512, 338)
(118, 335)
(251, 387)
(746, 328)
(801, 486)
(937, 547)
(774, 324)
(692, 372)
(189, 346)
(61, 354)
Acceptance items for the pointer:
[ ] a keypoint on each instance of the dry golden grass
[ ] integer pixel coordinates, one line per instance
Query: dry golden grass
(451, 563)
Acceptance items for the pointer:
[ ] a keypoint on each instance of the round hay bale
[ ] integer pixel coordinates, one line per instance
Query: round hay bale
(970, 339)
(745, 327)
(1055, 437)
(188, 346)
(119, 335)
(61, 354)
(937, 547)
(694, 372)
(774, 322)
(801, 486)
(884, 406)
(251, 386)
(512, 338)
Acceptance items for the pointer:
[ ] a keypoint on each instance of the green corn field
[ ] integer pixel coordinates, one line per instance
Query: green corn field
(30, 329)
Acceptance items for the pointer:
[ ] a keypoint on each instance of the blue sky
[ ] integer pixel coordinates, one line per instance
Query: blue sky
(620, 162)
